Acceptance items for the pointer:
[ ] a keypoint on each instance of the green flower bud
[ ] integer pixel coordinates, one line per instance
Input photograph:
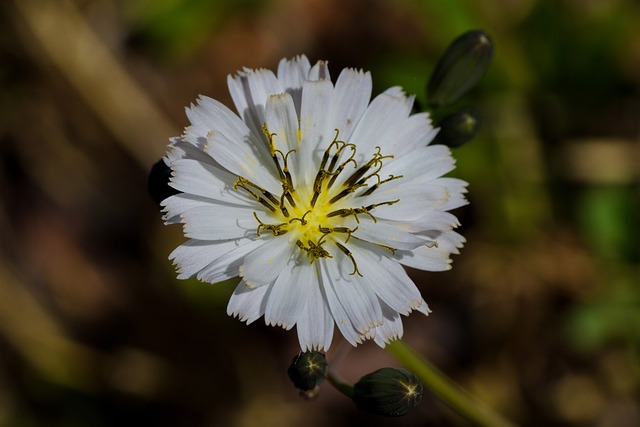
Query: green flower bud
(388, 391)
(308, 370)
(460, 68)
(458, 128)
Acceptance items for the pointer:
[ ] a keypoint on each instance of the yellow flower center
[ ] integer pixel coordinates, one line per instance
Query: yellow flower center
(315, 215)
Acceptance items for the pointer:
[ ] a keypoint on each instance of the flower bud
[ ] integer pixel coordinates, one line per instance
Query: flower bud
(458, 128)
(388, 391)
(460, 68)
(308, 370)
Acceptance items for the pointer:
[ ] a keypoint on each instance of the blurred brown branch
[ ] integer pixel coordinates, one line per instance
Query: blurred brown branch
(93, 70)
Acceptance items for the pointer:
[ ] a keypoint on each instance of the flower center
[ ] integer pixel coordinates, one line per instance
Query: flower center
(324, 215)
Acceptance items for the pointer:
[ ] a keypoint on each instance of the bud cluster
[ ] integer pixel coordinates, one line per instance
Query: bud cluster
(388, 391)
(458, 70)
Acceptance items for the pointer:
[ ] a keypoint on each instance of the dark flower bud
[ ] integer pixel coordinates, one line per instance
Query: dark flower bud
(308, 370)
(158, 183)
(460, 68)
(388, 391)
(458, 128)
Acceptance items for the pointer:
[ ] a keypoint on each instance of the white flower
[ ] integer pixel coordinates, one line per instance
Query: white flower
(315, 197)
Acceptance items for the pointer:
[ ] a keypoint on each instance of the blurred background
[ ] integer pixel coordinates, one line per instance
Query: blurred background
(539, 318)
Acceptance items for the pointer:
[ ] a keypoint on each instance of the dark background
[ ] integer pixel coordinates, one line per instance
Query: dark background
(539, 318)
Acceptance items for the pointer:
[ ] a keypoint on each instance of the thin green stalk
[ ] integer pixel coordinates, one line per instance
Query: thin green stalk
(340, 351)
(449, 392)
(340, 385)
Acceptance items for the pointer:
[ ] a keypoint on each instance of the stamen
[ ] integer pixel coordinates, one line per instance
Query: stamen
(315, 250)
(375, 205)
(312, 239)
(247, 186)
(363, 210)
(324, 173)
(302, 220)
(287, 188)
(375, 187)
(348, 253)
(345, 192)
(389, 248)
(276, 229)
(327, 230)
(274, 152)
(351, 211)
(376, 160)
(283, 208)
(325, 156)
(378, 165)
(317, 186)
(283, 172)
(342, 165)
(359, 173)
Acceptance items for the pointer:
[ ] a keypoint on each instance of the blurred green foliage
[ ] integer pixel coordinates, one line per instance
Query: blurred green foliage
(179, 28)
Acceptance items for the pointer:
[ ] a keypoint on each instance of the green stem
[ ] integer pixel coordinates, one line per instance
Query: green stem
(445, 389)
(340, 351)
(340, 385)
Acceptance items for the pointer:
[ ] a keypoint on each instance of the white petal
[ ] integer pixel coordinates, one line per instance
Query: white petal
(414, 200)
(175, 205)
(185, 147)
(266, 263)
(174, 150)
(416, 132)
(282, 120)
(422, 164)
(351, 98)
(282, 123)
(194, 255)
(289, 294)
(386, 277)
(436, 220)
(315, 324)
(383, 233)
(429, 258)
(228, 265)
(292, 74)
(249, 160)
(247, 303)
(320, 71)
(249, 90)
(208, 114)
(382, 121)
(456, 189)
(219, 222)
(356, 297)
(201, 179)
(449, 241)
(391, 328)
(339, 314)
(315, 132)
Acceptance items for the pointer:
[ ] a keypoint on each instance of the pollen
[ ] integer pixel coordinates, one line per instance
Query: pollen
(320, 217)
